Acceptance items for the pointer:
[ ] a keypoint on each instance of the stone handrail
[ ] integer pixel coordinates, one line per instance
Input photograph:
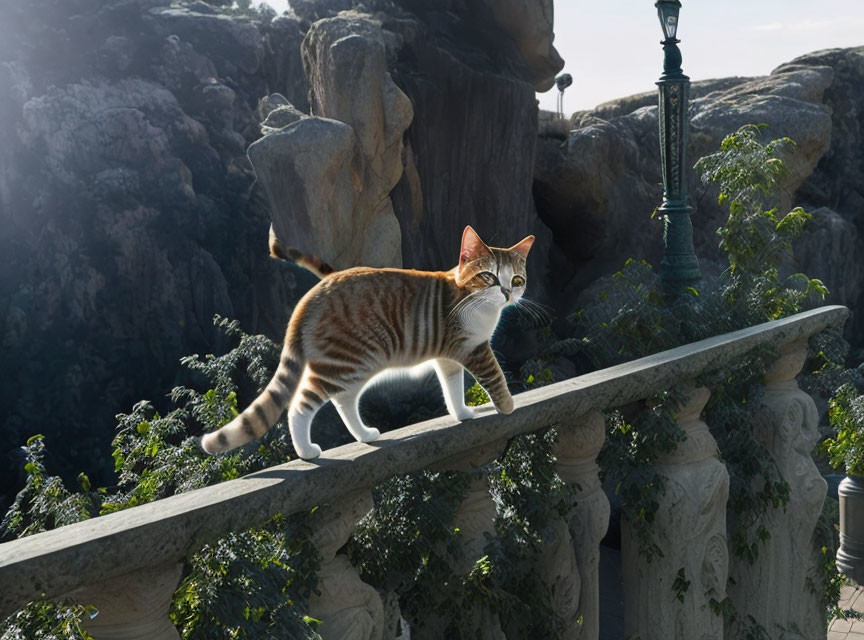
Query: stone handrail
(145, 545)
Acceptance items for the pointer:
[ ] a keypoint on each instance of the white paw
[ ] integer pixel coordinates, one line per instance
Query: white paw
(309, 452)
(369, 434)
(464, 413)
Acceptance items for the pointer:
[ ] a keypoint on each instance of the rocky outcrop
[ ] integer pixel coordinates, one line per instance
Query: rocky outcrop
(129, 209)
(475, 124)
(606, 174)
(464, 77)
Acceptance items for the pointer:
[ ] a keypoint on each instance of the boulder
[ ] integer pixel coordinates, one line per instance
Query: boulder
(235, 44)
(311, 172)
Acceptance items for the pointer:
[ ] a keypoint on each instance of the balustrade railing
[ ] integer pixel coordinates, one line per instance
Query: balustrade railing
(127, 564)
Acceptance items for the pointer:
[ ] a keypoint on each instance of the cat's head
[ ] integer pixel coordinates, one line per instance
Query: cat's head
(491, 273)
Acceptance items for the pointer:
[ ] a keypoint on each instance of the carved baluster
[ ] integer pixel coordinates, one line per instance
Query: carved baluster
(475, 520)
(774, 590)
(669, 598)
(576, 590)
(133, 606)
(349, 608)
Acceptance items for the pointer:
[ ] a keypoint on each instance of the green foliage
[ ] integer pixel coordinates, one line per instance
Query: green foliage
(476, 395)
(845, 448)
(630, 318)
(45, 503)
(830, 581)
(627, 458)
(251, 584)
(46, 621)
(680, 585)
(758, 243)
(408, 544)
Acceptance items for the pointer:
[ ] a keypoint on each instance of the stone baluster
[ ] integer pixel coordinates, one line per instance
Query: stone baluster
(576, 571)
(349, 608)
(475, 520)
(132, 606)
(669, 597)
(774, 590)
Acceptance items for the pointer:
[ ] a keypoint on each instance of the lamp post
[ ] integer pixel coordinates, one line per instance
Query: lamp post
(679, 267)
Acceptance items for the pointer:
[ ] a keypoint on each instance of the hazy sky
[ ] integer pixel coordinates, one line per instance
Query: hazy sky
(611, 47)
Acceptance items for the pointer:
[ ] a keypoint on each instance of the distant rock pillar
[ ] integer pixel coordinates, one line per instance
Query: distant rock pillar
(673, 596)
(775, 589)
(328, 177)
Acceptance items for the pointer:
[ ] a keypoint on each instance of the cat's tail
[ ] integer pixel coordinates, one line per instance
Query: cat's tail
(313, 263)
(262, 414)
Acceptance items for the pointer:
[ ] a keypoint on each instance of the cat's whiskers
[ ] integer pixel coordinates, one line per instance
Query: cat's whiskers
(539, 313)
(467, 301)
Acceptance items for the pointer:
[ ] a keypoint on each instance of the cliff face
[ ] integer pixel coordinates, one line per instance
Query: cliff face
(131, 214)
(128, 207)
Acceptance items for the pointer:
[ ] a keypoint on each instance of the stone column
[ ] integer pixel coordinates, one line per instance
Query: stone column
(669, 598)
(349, 608)
(588, 520)
(775, 590)
(133, 606)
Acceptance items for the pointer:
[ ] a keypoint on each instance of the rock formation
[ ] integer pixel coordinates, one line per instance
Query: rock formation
(329, 177)
(606, 173)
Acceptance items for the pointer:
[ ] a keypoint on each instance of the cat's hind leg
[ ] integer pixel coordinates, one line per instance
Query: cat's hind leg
(308, 398)
(347, 404)
(451, 375)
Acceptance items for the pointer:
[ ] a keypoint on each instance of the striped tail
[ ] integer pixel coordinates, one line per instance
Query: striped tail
(313, 263)
(262, 414)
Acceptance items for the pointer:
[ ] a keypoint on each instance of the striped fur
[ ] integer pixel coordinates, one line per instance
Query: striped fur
(358, 322)
(313, 263)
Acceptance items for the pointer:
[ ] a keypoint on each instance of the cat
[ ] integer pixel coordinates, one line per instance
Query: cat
(359, 322)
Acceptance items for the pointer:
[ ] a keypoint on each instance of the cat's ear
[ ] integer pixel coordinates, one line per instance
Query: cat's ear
(523, 247)
(473, 248)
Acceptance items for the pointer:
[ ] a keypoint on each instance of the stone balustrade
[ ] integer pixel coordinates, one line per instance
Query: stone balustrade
(127, 564)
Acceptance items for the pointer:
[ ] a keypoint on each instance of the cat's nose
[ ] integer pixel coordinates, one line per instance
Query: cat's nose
(506, 293)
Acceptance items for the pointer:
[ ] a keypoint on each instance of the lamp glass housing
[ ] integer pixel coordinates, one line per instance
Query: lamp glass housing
(667, 11)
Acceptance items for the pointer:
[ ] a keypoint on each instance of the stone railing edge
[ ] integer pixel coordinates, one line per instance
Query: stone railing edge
(56, 562)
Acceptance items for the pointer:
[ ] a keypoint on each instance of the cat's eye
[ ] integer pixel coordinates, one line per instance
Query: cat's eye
(518, 281)
(488, 277)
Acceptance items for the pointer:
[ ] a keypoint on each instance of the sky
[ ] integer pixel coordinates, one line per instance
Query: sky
(612, 50)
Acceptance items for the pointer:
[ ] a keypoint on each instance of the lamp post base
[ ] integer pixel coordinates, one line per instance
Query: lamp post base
(680, 266)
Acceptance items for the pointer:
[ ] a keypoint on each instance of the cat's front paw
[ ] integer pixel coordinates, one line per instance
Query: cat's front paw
(505, 405)
(309, 452)
(369, 434)
(464, 413)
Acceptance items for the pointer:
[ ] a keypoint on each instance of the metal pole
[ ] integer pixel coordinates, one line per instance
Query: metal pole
(679, 267)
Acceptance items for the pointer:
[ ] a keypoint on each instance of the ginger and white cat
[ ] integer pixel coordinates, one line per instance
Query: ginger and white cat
(359, 322)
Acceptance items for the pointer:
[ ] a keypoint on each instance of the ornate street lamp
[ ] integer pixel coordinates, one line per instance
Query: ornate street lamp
(679, 267)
